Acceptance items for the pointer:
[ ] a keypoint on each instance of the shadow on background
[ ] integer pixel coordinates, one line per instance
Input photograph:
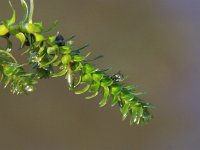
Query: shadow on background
(156, 43)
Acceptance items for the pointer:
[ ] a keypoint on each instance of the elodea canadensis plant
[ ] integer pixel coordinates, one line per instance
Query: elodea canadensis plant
(55, 56)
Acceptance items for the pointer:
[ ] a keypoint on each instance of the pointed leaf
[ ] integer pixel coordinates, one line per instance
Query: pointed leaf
(41, 50)
(131, 87)
(7, 82)
(138, 93)
(104, 101)
(133, 115)
(127, 95)
(92, 96)
(79, 49)
(78, 58)
(50, 62)
(11, 21)
(83, 90)
(53, 26)
(115, 100)
(21, 37)
(25, 8)
(61, 73)
(125, 110)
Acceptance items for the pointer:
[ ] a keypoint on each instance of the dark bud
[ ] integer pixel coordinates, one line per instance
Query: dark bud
(60, 41)
(117, 77)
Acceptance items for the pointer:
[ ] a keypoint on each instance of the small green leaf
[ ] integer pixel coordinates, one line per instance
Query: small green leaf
(131, 87)
(115, 100)
(7, 82)
(14, 29)
(38, 37)
(3, 30)
(104, 100)
(83, 90)
(92, 96)
(77, 66)
(50, 62)
(139, 114)
(33, 27)
(65, 49)
(78, 58)
(9, 69)
(95, 86)
(136, 114)
(116, 89)
(52, 50)
(125, 110)
(106, 82)
(88, 68)
(138, 93)
(133, 115)
(21, 37)
(42, 48)
(127, 95)
(66, 59)
(98, 76)
(61, 73)
(51, 39)
(86, 78)
(25, 8)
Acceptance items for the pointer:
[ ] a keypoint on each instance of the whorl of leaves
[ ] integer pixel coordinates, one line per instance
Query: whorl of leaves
(55, 56)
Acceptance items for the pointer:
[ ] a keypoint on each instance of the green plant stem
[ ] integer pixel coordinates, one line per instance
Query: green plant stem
(31, 11)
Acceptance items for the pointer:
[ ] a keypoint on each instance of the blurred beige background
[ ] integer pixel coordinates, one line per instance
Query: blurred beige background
(156, 43)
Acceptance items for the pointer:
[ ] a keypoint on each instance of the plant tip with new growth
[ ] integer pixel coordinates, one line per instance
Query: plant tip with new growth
(54, 56)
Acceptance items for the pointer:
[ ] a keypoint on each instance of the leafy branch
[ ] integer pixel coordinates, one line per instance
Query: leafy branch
(55, 56)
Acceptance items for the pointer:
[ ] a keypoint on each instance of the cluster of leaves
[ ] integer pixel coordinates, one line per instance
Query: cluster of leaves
(55, 56)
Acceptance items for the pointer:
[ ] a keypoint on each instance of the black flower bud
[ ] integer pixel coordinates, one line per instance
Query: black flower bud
(60, 41)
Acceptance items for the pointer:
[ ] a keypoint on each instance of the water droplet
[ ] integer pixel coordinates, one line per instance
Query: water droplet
(29, 88)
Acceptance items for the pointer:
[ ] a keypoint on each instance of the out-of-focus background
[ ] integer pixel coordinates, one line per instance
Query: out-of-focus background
(155, 43)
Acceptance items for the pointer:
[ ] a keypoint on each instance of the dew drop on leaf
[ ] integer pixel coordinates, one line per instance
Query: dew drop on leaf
(29, 88)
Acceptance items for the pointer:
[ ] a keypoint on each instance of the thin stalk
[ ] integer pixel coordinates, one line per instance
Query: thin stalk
(31, 11)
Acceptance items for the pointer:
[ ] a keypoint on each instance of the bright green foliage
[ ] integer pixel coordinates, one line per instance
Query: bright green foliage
(53, 57)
